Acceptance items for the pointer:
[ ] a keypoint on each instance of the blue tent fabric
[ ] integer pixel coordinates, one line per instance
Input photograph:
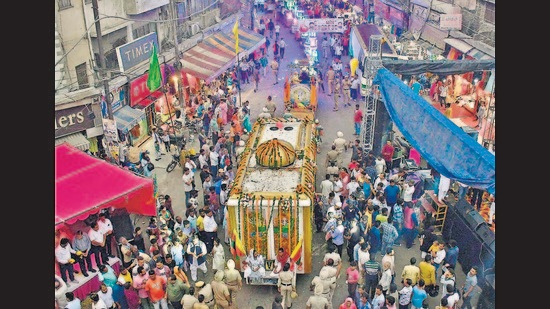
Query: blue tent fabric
(445, 146)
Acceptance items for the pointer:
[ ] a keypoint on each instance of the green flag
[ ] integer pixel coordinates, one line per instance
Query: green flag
(154, 79)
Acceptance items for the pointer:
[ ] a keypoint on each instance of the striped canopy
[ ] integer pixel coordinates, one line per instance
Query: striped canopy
(216, 53)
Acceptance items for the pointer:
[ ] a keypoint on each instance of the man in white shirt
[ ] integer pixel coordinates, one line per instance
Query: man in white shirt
(63, 258)
(98, 244)
(352, 185)
(97, 303)
(282, 45)
(188, 181)
(197, 250)
(327, 186)
(381, 179)
(106, 227)
(277, 30)
(214, 161)
(72, 301)
(408, 190)
(380, 164)
(203, 159)
(210, 230)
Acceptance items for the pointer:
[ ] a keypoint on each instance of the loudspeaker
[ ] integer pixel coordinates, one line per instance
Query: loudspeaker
(474, 219)
(486, 235)
(382, 127)
(463, 207)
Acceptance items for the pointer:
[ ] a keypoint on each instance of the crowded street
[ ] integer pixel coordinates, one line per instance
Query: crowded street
(200, 170)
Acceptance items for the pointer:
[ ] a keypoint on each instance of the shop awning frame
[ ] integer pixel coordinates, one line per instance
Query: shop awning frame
(216, 53)
(76, 139)
(127, 117)
(479, 55)
(84, 185)
(462, 46)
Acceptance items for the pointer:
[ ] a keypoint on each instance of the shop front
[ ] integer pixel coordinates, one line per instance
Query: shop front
(153, 107)
(393, 12)
(75, 117)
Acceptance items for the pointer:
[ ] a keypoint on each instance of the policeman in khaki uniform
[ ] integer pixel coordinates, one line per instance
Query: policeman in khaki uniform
(333, 273)
(332, 156)
(333, 254)
(206, 291)
(341, 145)
(233, 280)
(221, 292)
(189, 299)
(325, 281)
(317, 301)
(286, 285)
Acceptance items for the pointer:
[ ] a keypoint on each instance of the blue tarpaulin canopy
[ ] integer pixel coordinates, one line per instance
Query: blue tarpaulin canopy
(445, 146)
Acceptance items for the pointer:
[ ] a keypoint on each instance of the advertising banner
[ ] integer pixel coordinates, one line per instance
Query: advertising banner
(322, 24)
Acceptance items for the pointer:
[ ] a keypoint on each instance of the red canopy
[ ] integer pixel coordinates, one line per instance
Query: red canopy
(84, 185)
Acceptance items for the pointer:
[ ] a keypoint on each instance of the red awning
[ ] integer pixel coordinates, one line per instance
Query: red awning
(149, 100)
(84, 185)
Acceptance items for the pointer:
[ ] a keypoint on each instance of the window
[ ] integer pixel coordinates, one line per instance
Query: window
(489, 12)
(82, 76)
(143, 30)
(64, 4)
(87, 1)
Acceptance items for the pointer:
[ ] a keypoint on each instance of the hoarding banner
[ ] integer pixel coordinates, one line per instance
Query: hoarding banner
(322, 24)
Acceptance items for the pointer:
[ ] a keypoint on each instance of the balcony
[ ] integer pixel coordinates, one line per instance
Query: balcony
(134, 7)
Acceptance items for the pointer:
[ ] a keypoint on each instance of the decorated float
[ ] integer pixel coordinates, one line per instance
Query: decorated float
(300, 90)
(270, 204)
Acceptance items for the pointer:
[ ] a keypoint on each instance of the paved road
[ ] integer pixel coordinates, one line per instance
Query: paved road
(342, 120)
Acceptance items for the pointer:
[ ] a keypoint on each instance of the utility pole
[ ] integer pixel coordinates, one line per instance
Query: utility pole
(252, 15)
(102, 71)
(176, 51)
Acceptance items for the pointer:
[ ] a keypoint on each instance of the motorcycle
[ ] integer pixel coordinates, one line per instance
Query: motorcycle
(175, 161)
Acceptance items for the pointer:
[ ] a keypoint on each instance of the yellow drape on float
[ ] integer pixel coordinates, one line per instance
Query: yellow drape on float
(313, 97)
(353, 64)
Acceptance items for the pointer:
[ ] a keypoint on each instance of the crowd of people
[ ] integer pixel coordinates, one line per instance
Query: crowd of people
(364, 205)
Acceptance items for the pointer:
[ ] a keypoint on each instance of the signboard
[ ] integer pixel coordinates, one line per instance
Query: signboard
(450, 21)
(110, 137)
(322, 24)
(71, 120)
(133, 53)
(138, 87)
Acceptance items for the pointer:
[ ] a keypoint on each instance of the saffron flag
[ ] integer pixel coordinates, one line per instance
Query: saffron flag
(154, 79)
(239, 247)
(297, 252)
(236, 33)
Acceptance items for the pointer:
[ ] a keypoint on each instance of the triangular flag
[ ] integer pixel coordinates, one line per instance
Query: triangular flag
(154, 79)
(236, 34)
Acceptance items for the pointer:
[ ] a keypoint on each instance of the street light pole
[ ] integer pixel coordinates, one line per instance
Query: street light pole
(102, 71)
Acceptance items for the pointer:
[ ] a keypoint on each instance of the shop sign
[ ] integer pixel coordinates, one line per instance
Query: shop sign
(134, 53)
(322, 24)
(450, 21)
(71, 120)
(138, 87)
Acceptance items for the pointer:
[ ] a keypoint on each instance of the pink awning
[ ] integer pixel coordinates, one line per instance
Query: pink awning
(84, 185)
